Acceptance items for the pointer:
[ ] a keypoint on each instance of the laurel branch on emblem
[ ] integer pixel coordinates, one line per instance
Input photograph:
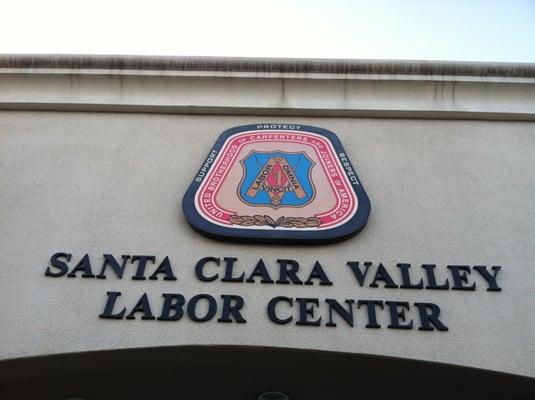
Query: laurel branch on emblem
(285, 222)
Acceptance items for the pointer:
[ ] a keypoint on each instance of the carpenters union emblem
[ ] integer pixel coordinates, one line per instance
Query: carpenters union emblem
(277, 183)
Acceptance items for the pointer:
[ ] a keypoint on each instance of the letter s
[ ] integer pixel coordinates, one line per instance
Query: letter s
(57, 263)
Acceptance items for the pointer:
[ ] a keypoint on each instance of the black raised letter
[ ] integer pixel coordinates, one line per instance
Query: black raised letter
(57, 263)
(110, 303)
(382, 275)
(431, 318)
(143, 306)
(140, 272)
(318, 273)
(432, 280)
(232, 309)
(83, 265)
(490, 278)
(199, 269)
(111, 261)
(164, 268)
(460, 277)
(306, 310)
(168, 305)
(406, 278)
(260, 270)
(397, 315)
(347, 315)
(288, 269)
(229, 269)
(361, 276)
(372, 316)
(272, 306)
(192, 306)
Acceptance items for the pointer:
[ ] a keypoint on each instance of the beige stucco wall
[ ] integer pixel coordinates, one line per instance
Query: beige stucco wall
(442, 191)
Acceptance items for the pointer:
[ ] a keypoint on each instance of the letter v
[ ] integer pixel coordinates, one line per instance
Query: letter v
(357, 272)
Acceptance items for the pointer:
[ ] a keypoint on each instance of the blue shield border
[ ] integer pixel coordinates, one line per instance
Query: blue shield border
(276, 236)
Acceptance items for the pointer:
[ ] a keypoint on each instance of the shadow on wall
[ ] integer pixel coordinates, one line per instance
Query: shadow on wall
(239, 372)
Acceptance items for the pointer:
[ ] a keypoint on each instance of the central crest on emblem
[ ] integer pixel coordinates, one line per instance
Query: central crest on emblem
(276, 179)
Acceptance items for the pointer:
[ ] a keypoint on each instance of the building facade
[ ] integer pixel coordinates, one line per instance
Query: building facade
(106, 291)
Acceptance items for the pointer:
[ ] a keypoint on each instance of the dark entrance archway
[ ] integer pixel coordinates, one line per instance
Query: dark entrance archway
(236, 372)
